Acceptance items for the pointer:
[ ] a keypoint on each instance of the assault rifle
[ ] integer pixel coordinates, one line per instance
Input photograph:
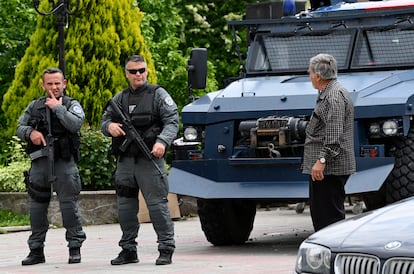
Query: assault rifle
(132, 135)
(48, 151)
(50, 148)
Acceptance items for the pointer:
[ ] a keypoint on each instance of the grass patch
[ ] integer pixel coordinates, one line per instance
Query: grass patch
(8, 218)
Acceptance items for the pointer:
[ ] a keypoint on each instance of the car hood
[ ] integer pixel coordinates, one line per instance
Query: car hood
(372, 231)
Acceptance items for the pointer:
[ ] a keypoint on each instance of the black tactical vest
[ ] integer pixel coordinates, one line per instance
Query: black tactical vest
(145, 119)
(66, 144)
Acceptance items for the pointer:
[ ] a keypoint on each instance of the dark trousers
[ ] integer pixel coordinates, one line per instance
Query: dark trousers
(140, 174)
(67, 188)
(327, 199)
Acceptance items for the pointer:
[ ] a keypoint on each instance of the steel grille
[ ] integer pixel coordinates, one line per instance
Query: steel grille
(399, 266)
(356, 264)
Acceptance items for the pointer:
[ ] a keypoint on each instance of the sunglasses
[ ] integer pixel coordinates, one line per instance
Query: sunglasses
(134, 71)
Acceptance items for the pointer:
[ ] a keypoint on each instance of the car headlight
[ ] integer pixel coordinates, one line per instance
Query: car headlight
(313, 258)
(390, 128)
(190, 134)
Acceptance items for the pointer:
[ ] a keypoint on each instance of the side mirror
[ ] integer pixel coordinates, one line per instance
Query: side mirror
(197, 68)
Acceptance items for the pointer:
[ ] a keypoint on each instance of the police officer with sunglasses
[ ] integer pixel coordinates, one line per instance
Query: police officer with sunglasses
(154, 115)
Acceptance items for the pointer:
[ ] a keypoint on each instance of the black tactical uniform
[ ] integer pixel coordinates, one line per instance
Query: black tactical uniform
(66, 121)
(154, 115)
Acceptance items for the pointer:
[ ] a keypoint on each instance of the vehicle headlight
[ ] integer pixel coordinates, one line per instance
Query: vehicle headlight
(190, 134)
(313, 258)
(374, 129)
(390, 128)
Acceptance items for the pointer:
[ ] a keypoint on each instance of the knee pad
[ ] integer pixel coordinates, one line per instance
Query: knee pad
(70, 214)
(126, 191)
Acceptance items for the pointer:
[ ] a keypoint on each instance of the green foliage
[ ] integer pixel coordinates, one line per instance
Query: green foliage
(15, 162)
(8, 218)
(98, 40)
(96, 165)
(205, 25)
(172, 28)
(17, 23)
(11, 177)
(162, 27)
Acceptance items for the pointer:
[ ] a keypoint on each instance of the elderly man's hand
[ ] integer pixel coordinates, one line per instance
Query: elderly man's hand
(317, 171)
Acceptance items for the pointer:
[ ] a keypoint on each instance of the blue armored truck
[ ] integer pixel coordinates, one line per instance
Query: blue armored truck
(243, 145)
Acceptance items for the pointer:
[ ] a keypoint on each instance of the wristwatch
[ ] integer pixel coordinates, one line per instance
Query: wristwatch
(322, 160)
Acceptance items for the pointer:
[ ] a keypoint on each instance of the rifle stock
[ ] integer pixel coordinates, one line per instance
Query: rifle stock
(133, 136)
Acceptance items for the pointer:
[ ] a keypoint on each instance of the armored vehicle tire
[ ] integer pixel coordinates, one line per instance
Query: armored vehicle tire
(226, 221)
(400, 183)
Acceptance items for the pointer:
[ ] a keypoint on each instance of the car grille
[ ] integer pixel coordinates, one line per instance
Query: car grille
(367, 264)
(399, 265)
(356, 264)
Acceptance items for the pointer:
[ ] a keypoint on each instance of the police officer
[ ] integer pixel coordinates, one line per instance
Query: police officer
(154, 115)
(66, 119)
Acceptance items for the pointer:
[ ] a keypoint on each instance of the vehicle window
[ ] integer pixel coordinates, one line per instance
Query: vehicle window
(384, 48)
(283, 52)
(276, 53)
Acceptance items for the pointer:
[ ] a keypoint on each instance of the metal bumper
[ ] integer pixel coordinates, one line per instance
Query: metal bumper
(264, 178)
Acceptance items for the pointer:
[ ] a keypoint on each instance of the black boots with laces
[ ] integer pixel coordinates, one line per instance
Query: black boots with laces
(74, 255)
(125, 257)
(36, 256)
(165, 257)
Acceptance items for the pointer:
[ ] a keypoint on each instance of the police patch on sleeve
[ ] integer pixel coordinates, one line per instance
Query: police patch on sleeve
(169, 101)
(77, 109)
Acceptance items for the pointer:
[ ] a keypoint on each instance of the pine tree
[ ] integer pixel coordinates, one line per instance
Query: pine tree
(97, 41)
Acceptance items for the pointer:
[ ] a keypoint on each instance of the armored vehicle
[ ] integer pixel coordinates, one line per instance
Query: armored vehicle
(243, 145)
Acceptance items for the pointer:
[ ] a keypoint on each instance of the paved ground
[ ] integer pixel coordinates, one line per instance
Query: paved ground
(272, 249)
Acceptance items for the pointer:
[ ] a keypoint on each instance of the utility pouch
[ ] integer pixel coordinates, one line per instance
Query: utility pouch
(37, 193)
(142, 120)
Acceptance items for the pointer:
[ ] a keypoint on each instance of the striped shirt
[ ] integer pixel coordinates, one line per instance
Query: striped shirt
(330, 133)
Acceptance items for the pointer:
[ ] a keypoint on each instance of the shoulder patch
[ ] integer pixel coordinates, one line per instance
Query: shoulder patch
(169, 101)
(77, 109)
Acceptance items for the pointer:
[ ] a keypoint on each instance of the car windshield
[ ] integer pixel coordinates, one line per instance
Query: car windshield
(353, 49)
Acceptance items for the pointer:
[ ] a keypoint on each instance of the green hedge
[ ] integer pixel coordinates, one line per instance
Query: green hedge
(15, 162)
(96, 164)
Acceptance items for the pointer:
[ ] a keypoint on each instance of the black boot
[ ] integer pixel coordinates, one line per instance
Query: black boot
(74, 255)
(165, 257)
(36, 256)
(125, 257)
